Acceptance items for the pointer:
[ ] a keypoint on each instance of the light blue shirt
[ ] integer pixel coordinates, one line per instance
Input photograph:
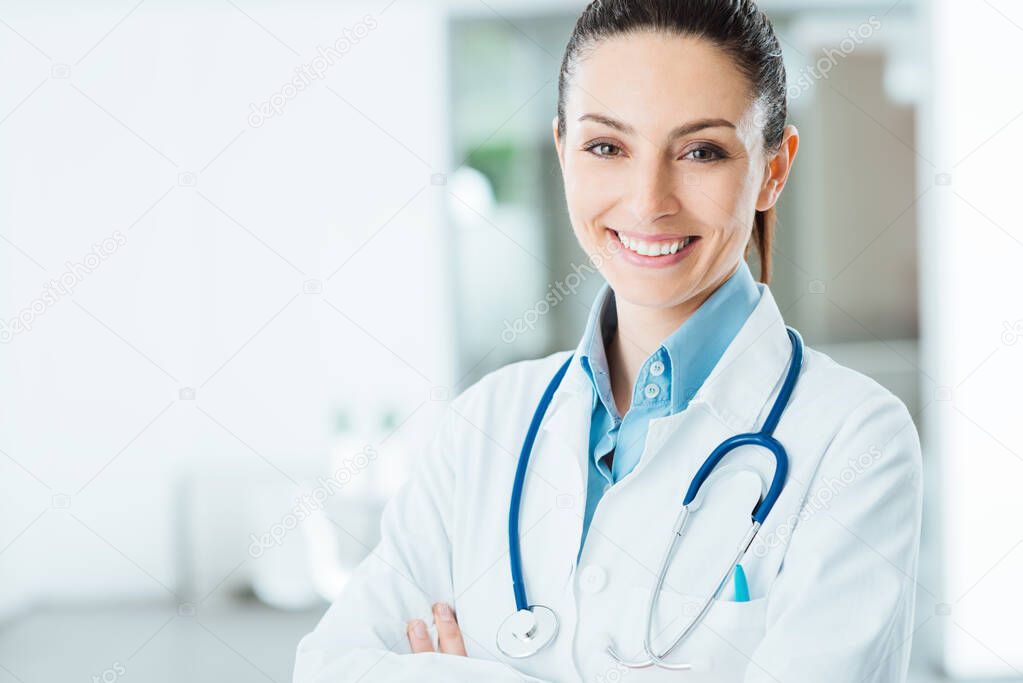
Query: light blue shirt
(667, 381)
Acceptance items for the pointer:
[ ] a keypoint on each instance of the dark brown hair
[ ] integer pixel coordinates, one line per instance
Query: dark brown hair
(736, 26)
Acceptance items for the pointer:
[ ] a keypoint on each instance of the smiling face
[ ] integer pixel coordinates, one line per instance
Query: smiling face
(661, 147)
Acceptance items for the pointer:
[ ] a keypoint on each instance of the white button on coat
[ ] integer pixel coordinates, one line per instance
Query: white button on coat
(657, 368)
(443, 537)
(592, 579)
(651, 390)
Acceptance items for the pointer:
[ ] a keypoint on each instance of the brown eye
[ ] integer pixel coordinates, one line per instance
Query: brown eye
(603, 147)
(705, 154)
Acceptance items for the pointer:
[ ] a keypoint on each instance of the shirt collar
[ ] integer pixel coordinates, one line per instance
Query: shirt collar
(738, 391)
(697, 344)
(692, 349)
(592, 353)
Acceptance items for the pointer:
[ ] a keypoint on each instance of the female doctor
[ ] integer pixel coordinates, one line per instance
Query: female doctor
(569, 472)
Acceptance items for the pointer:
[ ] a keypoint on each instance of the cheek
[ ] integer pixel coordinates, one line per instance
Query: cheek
(720, 201)
(587, 200)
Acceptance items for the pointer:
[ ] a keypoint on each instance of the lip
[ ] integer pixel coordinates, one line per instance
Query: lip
(658, 237)
(665, 261)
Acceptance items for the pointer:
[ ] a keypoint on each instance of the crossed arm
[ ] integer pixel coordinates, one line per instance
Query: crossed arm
(856, 556)
(378, 628)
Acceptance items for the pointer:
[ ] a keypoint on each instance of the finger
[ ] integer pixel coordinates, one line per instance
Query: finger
(418, 637)
(449, 635)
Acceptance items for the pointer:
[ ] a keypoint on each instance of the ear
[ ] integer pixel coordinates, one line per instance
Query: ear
(778, 167)
(557, 142)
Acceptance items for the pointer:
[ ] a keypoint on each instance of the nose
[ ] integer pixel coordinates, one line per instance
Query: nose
(652, 194)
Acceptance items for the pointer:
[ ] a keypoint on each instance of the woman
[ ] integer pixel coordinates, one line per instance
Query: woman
(673, 146)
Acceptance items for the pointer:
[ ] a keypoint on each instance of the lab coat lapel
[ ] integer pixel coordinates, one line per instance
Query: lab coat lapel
(741, 388)
(567, 422)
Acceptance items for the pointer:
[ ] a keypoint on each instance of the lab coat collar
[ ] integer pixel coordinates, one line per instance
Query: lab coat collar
(738, 390)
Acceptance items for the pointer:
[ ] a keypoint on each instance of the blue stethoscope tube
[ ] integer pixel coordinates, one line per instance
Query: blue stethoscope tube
(763, 438)
(514, 553)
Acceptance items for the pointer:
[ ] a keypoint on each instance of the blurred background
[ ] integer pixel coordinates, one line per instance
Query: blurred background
(250, 249)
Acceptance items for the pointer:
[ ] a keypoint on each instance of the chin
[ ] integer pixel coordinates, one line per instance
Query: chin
(650, 292)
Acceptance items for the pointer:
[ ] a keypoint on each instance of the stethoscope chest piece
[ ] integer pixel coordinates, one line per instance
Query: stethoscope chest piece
(527, 631)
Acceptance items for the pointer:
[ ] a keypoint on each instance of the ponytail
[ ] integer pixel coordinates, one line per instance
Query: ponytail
(763, 238)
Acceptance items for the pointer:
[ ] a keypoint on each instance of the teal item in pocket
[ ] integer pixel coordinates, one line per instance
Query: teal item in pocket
(741, 587)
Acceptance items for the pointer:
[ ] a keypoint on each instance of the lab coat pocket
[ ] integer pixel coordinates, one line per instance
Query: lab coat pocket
(719, 648)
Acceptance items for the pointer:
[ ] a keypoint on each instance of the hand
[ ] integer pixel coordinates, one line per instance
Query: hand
(449, 636)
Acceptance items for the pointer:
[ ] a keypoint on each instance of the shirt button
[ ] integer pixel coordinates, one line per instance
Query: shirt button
(593, 579)
(657, 368)
(651, 390)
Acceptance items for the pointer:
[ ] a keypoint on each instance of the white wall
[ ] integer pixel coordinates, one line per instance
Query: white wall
(971, 248)
(282, 271)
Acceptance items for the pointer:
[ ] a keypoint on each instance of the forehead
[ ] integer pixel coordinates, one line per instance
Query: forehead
(655, 81)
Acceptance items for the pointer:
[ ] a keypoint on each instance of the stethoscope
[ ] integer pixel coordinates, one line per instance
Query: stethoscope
(531, 628)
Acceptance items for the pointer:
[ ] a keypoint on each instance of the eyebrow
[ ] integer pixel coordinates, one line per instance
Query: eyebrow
(677, 132)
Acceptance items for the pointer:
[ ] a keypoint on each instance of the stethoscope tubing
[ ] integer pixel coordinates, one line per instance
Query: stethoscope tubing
(763, 438)
(514, 552)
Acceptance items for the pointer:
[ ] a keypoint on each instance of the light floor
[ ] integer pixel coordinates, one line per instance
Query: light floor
(156, 644)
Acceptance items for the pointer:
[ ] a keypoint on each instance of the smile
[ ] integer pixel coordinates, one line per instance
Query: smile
(656, 246)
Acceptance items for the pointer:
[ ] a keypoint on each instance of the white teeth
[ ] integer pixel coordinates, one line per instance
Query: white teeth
(653, 248)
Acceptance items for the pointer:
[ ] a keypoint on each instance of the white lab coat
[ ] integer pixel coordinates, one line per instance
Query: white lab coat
(831, 576)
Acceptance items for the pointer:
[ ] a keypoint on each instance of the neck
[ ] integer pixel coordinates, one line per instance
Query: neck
(640, 331)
